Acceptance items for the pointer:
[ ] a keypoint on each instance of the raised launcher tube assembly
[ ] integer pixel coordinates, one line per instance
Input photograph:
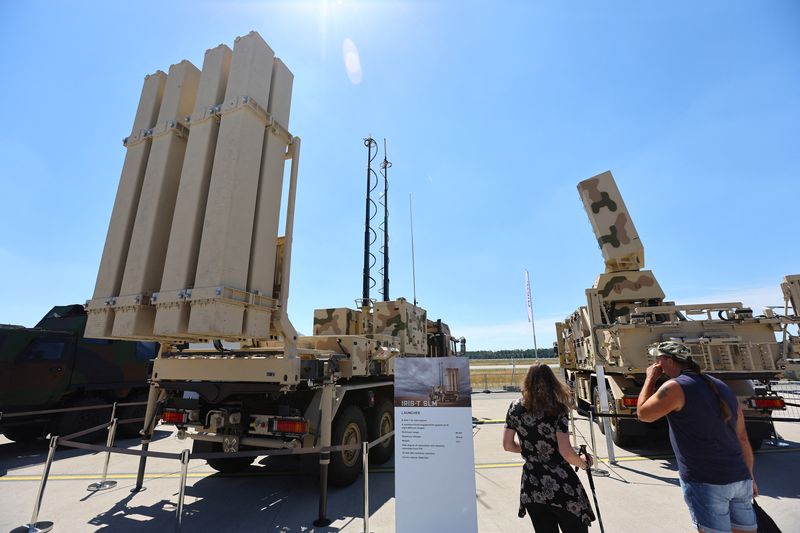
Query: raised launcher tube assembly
(193, 241)
(193, 258)
(625, 312)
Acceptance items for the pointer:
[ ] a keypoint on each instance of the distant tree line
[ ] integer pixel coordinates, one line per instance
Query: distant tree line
(509, 354)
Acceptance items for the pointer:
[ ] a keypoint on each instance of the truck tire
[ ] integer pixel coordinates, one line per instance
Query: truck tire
(380, 421)
(582, 407)
(23, 434)
(349, 427)
(597, 408)
(757, 431)
(618, 434)
(75, 421)
(230, 465)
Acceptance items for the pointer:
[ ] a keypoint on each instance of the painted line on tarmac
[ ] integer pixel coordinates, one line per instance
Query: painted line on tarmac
(628, 458)
(202, 474)
(72, 477)
(600, 459)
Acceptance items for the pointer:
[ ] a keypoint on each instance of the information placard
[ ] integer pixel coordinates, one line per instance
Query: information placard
(434, 458)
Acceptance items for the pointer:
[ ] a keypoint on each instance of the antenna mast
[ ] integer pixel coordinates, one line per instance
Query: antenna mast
(369, 234)
(385, 167)
(413, 261)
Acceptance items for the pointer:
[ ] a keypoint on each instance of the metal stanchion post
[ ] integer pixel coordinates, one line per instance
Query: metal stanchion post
(604, 394)
(595, 470)
(322, 519)
(572, 428)
(365, 455)
(182, 492)
(104, 483)
(573, 388)
(35, 526)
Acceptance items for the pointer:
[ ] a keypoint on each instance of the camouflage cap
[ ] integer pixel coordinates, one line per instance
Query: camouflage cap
(675, 350)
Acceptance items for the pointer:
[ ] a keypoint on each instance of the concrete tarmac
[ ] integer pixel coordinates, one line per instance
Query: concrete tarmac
(641, 493)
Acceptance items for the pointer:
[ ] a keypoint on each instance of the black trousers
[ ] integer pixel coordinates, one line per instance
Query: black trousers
(548, 519)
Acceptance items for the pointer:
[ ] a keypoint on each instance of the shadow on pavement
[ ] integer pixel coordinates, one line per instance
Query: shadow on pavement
(771, 473)
(671, 480)
(271, 495)
(770, 470)
(15, 455)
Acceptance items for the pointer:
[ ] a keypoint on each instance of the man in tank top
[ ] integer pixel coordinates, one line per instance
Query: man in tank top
(707, 433)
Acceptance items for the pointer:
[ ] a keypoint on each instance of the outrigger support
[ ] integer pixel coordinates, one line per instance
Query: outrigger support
(326, 422)
(153, 398)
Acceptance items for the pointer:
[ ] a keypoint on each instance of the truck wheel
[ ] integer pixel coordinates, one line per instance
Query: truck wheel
(349, 427)
(582, 407)
(597, 408)
(230, 465)
(75, 421)
(24, 434)
(757, 431)
(618, 435)
(380, 421)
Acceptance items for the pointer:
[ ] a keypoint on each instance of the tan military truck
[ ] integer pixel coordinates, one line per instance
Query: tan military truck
(193, 259)
(337, 390)
(626, 311)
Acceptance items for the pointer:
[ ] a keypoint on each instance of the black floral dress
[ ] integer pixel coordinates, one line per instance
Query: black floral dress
(546, 477)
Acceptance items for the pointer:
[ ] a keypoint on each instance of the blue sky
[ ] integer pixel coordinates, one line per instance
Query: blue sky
(493, 112)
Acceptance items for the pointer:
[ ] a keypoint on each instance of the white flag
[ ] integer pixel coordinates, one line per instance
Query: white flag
(528, 295)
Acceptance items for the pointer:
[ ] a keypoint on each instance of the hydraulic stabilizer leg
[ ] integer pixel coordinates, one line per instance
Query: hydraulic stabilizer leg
(326, 419)
(153, 398)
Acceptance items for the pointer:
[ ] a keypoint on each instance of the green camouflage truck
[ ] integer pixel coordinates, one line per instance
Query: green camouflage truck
(53, 366)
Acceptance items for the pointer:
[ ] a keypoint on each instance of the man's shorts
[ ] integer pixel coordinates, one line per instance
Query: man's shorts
(719, 508)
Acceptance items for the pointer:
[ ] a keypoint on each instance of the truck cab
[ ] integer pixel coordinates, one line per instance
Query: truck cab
(52, 365)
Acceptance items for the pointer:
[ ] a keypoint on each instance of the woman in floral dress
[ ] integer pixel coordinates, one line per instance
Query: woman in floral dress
(536, 426)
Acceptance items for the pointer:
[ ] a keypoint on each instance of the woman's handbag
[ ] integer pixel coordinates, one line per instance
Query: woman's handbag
(765, 523)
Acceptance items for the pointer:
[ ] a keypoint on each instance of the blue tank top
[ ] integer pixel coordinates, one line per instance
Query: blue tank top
(707, 449)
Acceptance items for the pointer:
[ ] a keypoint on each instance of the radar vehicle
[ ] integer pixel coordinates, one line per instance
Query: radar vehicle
(626, 311)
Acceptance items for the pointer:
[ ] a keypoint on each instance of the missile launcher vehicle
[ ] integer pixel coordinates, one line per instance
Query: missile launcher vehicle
(193, 259)
(626, 311)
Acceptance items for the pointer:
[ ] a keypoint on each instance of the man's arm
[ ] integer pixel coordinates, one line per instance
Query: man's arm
(744, 442)
(669, 397)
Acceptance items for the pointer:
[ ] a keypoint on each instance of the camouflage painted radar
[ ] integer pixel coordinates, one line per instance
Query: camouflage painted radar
(616, 235)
